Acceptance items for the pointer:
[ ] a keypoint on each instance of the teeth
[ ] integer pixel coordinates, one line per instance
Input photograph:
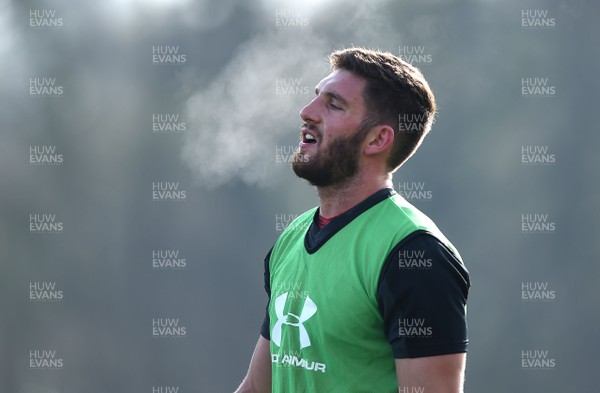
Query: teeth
(310, 137)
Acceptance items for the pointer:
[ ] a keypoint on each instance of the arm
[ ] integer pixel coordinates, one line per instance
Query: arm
(432, 374)
(258, 378)
(424, 313)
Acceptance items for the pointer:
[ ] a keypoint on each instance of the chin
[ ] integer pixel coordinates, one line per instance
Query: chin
(305, 157)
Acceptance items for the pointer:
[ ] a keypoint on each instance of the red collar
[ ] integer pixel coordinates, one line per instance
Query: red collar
(322, 221)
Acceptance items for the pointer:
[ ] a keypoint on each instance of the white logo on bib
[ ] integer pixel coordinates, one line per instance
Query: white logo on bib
(308, 310)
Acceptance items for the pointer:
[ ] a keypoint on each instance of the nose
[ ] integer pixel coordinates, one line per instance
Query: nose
(309, 113)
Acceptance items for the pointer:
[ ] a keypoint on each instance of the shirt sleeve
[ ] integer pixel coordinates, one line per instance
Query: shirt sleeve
(264, 329)
(422, 297)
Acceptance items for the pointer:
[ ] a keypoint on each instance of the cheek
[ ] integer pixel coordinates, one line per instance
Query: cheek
(337, 128)
(333, 127)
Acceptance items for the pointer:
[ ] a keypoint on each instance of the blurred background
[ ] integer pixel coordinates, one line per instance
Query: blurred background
(144, 175)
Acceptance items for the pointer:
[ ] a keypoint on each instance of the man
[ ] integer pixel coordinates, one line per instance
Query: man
(365, 293)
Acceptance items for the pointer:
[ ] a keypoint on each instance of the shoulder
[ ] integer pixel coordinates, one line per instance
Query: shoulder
(424, 258)
(293, 233)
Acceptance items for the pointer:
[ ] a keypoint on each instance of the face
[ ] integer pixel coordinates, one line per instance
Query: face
(333, 131)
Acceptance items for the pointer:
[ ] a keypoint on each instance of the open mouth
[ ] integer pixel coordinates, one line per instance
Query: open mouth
(308, 138)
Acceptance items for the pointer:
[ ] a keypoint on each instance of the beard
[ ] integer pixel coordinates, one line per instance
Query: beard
(335, 164)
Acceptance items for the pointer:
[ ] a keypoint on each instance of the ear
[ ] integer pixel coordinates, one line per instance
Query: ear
(379, 139)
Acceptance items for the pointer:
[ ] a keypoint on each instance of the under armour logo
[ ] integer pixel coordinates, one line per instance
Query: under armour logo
(309, 309)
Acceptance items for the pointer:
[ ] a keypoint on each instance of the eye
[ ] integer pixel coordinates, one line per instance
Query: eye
(333, 106)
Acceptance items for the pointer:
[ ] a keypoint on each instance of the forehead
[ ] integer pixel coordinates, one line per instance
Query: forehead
(344, 84)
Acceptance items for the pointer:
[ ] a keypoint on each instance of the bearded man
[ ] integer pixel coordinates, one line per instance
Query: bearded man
(365, 292)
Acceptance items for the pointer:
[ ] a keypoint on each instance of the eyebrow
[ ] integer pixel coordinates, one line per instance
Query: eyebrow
(333, 95)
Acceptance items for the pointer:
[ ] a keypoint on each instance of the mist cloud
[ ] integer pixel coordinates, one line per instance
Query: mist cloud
(237, 121)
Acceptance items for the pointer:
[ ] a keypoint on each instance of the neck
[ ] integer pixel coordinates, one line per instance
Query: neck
(336, 199)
